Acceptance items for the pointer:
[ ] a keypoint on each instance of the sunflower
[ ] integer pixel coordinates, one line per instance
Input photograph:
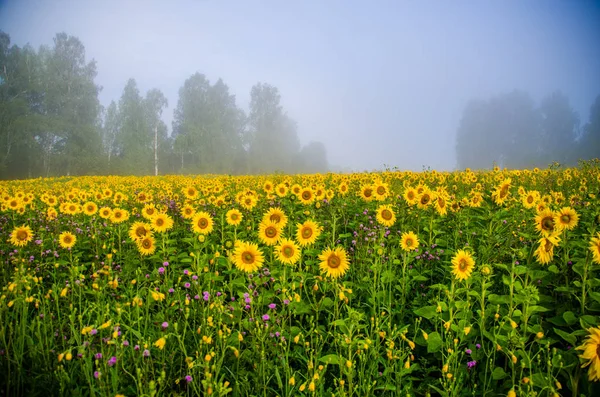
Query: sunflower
(51, 213)
(276, 215)
(161, 222)
(424, 199)
(190, 192)
(385, 215)
(90, 208)
(187, 211)
(441, 205)
(343, 188)
(269, 232)
(249, 202)
(147, 245)
(234, 217)
(119, 215)
(67, 240)
(334, 263)
(476, 200)
(306, 196)
(307, 233)
(281, 190)
(287, 252)
(21, 235)
(381, 191)
(411, 196)
(409, 241)
(366, 193)
(591, 353)
(595, 248)
(545, 251)
(462, 265)
(149, 211)
(139, 230)
(530, 199)
(247, 257)
(105, 213)
(202, 223)
(566, 218)
(544, 222)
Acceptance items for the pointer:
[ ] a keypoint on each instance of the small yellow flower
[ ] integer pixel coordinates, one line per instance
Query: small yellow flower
(311, 386)
(160, 343)
(61, 356)
(207, 358)
(425, 335)
(539, 335)
(407, 364)
(68, 356)
(292, 381)
(302, 387)
(511, 393)
(467, 330)
(348, 364)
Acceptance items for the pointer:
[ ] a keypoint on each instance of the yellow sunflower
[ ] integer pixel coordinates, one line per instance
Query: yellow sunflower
(385, 215)
(381, 191)
(187, 211)
(249, 202)
(247, 257)
(306, 196)
(105, 213)
(411, 196)
(462, 265)
(287, 252)
(566, 218)
(149, 211)
(67, 240)
(307, 233)
(234, 217)
(544, 222)
(21, 235)
(545, 251)
(269, 232)
(409, 241)
(275, 214)
(202, 223)
(281, 190)
(530, 199)
(51, 213)
(119, 215)
(441, 205)
(139, 230)
(424, 199)
(595, 248)
(334, 263)
(147, 245)
(90, 208)
(366, 193)
(591, 353)
(161, 222)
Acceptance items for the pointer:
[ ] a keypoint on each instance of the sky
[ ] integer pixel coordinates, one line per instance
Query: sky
(380, 83)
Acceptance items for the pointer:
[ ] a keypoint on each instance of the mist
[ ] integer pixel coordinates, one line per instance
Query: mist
(305, 86)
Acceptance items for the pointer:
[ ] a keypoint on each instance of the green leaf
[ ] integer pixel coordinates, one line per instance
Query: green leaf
(331, 359)
(553, 269)
(569, 317)
(594, 295)
(434, 342)
(427, 312)
(568, 337)
(498, 373)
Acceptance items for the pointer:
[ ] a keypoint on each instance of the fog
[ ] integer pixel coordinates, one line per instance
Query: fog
(380, 84)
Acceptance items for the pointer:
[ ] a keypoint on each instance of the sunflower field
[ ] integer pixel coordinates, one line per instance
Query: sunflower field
(471, 283)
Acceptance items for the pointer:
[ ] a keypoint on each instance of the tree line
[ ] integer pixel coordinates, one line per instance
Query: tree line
(52, 123)
(511, 130)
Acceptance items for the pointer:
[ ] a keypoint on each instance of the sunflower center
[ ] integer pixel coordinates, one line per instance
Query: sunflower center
(306, 195)
(441, 202)
(504, 191)
(307, 232)
(67, 240)
(425, 199)
(248, 258)
(22, 235)
(463, 265)
(271, 232)
(146, 244)
(288, 251)
(160, 222)
(234, 217)
(548, 245)
(203, 223)
(380, 190)
(150, 211)
(118, 215)
(140, 231)
(548, 223)
(410, 195)
(333, 262)
(275, 218)
(530, 199)
(565, 218)
(409, 242)
(368, 192)
(387, 214)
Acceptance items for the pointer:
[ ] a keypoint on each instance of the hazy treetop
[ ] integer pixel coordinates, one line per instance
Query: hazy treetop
(376, 82)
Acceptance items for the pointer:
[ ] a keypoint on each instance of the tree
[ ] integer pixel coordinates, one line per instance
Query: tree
(312, 159)
(559, 127)
(589, 144)
(111, 130)
(273, 135)
(134, 142)
(155, 103)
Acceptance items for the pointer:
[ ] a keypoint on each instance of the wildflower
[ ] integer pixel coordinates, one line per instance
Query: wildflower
(188, 378)
(160, 343)
(165, 325)
(265, 317)
(471, 364)
(146, 352)
(112, 361)
(591, 348)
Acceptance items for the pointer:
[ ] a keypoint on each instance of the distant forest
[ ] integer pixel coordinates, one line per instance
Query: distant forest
(511, 131)
(52, 123)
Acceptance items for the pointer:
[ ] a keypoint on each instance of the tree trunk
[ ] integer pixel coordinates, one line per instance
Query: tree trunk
(156, 149)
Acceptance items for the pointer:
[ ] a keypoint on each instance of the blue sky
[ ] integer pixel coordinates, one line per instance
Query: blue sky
(380, 82)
